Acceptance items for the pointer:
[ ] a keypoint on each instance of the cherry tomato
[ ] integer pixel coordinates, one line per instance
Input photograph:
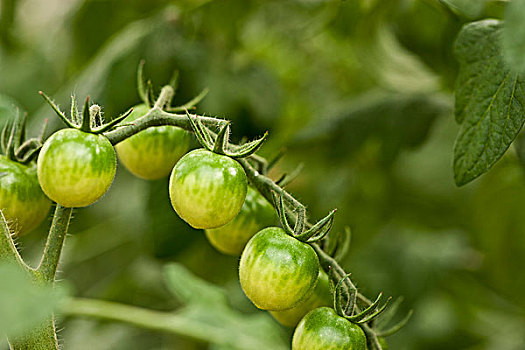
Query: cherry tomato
(22, 201)
(322, 328)
(256, 214)
(206, 189)
(152, 153)
(277, 271)
(76, 168)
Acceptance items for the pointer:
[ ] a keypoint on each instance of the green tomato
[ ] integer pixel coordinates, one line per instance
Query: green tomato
(76, 168)
(206, 189)
(323, 329)
(22, 201)
(152, 153)
(277, 271)
(321, 296)
(256, 214)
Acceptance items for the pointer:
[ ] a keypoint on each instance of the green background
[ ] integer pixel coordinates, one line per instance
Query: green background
(361, 92)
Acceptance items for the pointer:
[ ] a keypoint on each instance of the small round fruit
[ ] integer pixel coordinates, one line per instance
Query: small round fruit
(277, 271)
(76, 168)
(323, 329)
(207, 190)
(256, 214)
(152, 153)
(321, 296)
(22, 201)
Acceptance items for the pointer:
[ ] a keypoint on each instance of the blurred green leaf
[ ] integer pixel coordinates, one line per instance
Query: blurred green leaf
(8, 108)
(513, 35)
(397, 120)
(468, 8)
(392, 65)
(205, 316)
(490, 101)
(207, 306)
(25, 304)
(191, 290)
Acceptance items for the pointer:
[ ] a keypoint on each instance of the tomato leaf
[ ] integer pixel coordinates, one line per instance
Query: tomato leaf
(490, 101)
(513, 35)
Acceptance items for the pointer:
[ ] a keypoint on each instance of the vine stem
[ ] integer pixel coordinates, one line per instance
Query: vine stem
(8, 251)
(156, 117)
(44, 336)
(55, 242)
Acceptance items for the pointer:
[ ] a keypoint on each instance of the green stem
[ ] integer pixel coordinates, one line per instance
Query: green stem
(170, 322)
(165, 97)
(8, 251)
(55, 242)
(155, 117)
(41, 338)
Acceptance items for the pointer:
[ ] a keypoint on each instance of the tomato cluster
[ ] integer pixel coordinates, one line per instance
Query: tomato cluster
(209, 190)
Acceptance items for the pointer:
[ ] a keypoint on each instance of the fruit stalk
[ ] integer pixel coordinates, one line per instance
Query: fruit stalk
(55, 241)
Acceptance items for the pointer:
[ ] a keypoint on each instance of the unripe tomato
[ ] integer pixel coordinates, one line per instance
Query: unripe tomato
(321, 296)
(323, 329)
(277, 271)
(256, 214)
(22, 201)
(76, 168)
(152, 153)
(206, 189)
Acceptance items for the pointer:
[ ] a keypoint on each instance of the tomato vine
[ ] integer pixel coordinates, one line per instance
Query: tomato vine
(312, 238)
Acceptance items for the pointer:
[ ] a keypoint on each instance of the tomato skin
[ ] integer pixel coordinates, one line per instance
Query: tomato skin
(277, 271)
(207, 190)
(256, 214)
(76, 168)
(152, 153)
(321, 296)
(22, 201)
(323, 329)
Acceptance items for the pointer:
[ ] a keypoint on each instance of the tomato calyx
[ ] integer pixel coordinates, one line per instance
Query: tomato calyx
(145, 91)
(365, 316)
(13, 140)
(315, 233)
(219, 143)
(91, 120)
(372, 318)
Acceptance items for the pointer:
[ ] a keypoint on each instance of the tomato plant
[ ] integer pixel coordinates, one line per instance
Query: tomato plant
(321, 296)
(322, 328)
(276, 270)
(22, 201)
(256, 213)
(207, 190)
(76, 168)
(152, 153)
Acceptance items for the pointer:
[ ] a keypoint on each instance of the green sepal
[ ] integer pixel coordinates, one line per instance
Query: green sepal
(221, 142)
(57, 110)
(112, 123)
(86, 117)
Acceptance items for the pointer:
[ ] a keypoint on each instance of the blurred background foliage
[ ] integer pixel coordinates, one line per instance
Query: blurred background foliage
(361, 92)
